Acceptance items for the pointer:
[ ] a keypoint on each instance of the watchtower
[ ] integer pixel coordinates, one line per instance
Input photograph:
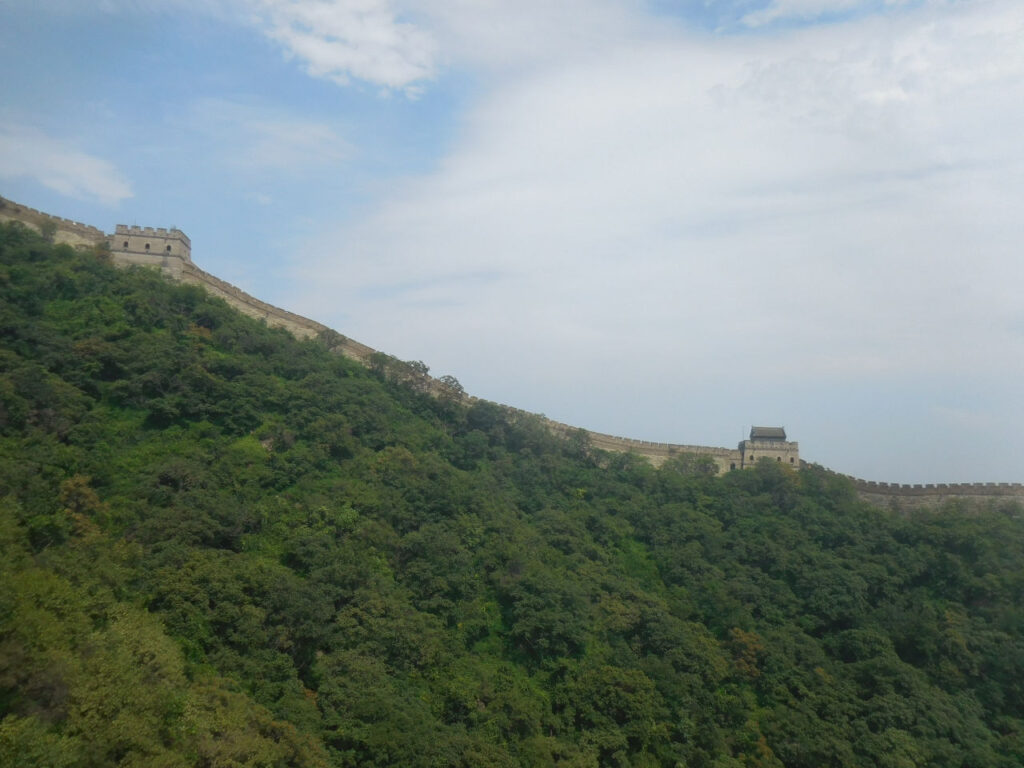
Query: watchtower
(166, 249)
(150, 241)
(769, 443)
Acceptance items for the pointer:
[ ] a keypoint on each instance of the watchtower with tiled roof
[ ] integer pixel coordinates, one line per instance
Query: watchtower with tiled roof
(769, 443)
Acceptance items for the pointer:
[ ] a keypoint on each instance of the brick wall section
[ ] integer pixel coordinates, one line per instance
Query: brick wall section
(70, 232)
(299, 326)
(657, 453)
(931, 495)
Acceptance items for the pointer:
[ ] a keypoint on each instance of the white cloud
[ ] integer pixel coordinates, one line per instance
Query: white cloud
(28, 153)
(660, 233)
(831, 204)
(344, 39)
(338, 40)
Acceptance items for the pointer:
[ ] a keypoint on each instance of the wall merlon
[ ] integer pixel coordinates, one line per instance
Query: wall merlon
(162, 232)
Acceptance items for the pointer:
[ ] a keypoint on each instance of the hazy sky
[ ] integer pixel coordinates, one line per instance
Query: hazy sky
(661, 220)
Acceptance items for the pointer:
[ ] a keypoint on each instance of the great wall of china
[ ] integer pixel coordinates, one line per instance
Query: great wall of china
(933, 494)
(170, 251)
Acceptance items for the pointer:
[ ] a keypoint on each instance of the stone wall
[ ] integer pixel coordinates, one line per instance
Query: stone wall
(781, 451)
(72, 233)
(150, 242)
(657, 453)
(931, 495)
(172, 266)
(180, 267)
(299, 326)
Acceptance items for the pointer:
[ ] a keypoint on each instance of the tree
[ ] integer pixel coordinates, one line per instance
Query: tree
(691, 465)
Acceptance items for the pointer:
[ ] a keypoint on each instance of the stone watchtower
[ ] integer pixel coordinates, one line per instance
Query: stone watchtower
(769, 443)
(167, 249)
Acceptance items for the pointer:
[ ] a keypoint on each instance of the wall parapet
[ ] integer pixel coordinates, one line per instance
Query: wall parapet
(925, 489)
(172, 232)
(297, 325)
(760, 444)
(648, 448)
(10, 210)
(931, 494)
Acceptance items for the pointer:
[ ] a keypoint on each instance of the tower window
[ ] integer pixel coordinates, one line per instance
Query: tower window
(147, 246)
(168, 249)
(126, 244)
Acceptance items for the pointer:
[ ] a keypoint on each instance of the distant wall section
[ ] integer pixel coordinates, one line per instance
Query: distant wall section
(725, 459)
(171, 251)
(935, 494)
(745, 455)
(299, 326)
(73, 233)
(932, 495)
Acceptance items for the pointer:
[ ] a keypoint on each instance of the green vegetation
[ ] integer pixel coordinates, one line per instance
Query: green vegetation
(224, 547)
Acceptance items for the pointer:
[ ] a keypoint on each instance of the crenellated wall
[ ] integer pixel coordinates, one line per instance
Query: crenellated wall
(73, 233)
(657, 453)
(299, 326)
(176, 262)
(156, 232)
(921, 495)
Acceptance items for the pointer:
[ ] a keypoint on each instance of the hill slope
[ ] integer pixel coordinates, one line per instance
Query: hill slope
(222, 546)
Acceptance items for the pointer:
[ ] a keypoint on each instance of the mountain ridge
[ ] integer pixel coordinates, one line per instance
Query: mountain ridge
(222, 545)
(181, 267)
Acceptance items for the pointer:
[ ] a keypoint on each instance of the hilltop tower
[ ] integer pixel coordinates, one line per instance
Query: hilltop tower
(769, 443)
(167, 249)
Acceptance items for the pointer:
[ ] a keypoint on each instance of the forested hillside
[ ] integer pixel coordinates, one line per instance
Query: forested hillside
(225, 547)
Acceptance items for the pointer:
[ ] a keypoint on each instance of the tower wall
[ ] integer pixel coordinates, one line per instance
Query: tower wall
(781, 451)
(151, 242)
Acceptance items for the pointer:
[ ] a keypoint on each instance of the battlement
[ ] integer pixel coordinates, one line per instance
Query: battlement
(154, 232)
(931, 495)
(918, 489)
(67, 231)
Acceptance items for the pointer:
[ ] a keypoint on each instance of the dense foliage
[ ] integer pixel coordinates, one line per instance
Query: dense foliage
(224, 547)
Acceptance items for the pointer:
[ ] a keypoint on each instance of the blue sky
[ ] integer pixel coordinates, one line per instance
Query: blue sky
(661, 220)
